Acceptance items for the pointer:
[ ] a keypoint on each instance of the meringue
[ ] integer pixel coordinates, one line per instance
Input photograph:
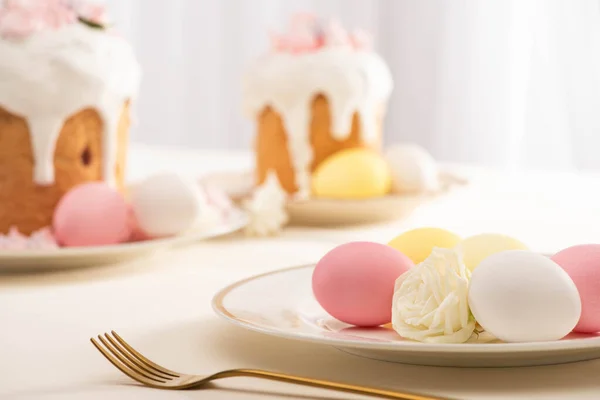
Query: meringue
(430, 302)
(267, 208)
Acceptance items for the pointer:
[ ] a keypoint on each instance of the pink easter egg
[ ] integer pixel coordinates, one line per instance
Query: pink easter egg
(355, 282)
(582, 263)
(92, 214)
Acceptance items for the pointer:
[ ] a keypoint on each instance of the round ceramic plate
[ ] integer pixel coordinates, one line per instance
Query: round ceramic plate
(281, 303)
(75, 257)
(323, 212)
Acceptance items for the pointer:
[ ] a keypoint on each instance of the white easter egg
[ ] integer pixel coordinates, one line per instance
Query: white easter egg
(166, 204)
(413, 169)
(522, 296)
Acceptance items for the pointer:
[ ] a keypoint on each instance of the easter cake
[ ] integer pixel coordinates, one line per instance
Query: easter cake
(66, 84)
(318, 91)
(319, 99)
(67, 81)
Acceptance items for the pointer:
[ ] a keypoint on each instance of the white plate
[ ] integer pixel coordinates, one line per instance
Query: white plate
(75, 257)
(281, 303)
(323, 212)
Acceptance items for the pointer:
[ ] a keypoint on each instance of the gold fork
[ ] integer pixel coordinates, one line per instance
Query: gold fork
(141, 369)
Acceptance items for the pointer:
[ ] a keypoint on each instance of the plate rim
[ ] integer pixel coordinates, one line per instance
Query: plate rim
(398, 346)
(238, 221)
(295, 204)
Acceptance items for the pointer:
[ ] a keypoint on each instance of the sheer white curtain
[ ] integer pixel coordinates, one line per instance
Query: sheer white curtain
(513, 83)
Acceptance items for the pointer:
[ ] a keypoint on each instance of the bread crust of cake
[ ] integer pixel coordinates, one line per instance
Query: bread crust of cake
(272, 150)
(78, 158)
(272, 142)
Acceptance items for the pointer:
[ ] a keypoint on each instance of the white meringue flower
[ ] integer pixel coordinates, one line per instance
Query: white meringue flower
(430, 300)
(267, 208)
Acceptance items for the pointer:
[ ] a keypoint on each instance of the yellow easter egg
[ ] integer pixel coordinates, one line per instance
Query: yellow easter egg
(352, 174)
(417, 244)
(476, 248)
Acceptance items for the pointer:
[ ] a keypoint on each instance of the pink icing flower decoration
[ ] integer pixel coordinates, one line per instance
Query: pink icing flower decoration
(15, 24)
(22, 18)
(308, 34)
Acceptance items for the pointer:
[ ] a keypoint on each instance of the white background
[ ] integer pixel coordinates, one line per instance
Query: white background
(512, 83)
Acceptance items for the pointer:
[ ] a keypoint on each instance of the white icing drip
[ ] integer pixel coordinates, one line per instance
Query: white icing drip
(110, 112)
(52, 75)
(44, 131)
(353, 81)
(297, 124)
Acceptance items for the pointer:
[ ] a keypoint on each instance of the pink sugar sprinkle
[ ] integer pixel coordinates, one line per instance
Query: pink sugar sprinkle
(40, 240)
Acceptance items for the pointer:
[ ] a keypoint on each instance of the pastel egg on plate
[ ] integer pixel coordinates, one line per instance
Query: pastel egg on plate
(91, 214)
(582, 263)
(166, 204)
(352, 174)
(522, 296)
(354, 282)
(476, 248)
(417, 244)
(413, 168)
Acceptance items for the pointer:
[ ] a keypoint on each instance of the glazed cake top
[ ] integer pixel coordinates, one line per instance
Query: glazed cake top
(58, 57)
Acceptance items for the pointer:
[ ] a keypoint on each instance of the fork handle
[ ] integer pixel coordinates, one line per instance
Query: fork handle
(344, 387)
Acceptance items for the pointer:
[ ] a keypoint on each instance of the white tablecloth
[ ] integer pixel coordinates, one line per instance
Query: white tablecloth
(162, 304)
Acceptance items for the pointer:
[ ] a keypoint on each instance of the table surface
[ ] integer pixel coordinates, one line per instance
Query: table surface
(162, 304)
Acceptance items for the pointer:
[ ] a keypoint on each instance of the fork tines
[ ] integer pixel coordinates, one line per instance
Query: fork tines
(131, 362)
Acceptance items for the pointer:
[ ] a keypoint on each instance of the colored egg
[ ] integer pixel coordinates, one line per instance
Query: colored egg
(582, 263)
(413, 168)
(522, 296)
(354, 282)
(352, 174)
(476, 248)
(417, 244)
(166, 204)
(91, 214)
